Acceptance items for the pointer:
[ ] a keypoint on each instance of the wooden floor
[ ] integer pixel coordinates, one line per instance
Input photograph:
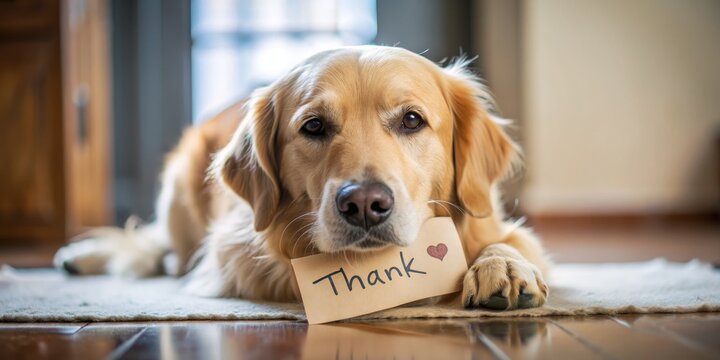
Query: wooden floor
(681, 336)
(647, 336)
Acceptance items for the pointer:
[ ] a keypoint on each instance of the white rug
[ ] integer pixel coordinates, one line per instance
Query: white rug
(575, 289)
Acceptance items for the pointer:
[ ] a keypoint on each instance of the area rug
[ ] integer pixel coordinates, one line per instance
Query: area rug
(656, 286)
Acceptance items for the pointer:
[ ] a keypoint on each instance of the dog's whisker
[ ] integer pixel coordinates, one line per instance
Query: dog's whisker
(304, 227)
(282, 235)
(307, 245)
(461, 210)
(293, 238)
(296, 218)
(301, 236)
(347, 261)
(443, 206)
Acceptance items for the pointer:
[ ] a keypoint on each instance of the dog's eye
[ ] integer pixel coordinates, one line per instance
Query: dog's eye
(411, 122)
(313, 127)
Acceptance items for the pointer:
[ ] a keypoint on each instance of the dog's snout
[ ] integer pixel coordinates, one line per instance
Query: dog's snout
(364, 205)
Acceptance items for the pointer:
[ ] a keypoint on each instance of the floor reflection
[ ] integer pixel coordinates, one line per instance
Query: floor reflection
(587, 337)
(214, 340)
(514, 332)
(409, 339)
(425, 339)
(375, 341)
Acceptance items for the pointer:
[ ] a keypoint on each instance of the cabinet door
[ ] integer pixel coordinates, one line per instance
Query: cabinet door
(32, 205)
(86, 93)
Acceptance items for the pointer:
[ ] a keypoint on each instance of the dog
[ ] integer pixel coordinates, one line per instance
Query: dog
(351, 151)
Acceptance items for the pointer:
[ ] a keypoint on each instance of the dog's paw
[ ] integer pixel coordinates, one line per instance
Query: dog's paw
(86, 257)
(503, 283)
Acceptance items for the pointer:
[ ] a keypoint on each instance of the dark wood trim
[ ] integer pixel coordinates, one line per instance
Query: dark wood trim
(623, 218)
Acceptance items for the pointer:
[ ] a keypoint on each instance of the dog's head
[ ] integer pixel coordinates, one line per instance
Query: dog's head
(356, 147)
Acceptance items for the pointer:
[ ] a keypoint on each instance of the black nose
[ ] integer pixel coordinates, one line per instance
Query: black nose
(364, 205)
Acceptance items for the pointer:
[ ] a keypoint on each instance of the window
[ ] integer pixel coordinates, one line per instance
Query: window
(239, 45)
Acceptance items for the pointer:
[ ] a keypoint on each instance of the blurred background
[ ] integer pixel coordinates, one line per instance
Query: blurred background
(616, 104)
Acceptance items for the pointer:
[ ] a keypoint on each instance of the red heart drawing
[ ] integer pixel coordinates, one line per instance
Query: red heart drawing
(437, 251)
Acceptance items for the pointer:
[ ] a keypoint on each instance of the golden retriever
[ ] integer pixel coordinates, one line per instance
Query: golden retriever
(351, 151)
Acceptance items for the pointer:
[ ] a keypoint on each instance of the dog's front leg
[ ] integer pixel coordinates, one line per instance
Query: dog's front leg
(507, 275)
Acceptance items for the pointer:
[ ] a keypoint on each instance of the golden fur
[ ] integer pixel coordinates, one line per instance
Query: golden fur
(269, 196)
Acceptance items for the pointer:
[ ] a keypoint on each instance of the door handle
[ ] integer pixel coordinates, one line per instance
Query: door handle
(80, 101)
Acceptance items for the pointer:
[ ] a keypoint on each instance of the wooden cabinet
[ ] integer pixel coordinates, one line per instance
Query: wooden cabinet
(32, 176)
(41, 154)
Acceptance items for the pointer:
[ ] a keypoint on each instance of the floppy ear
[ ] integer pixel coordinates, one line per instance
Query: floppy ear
(247, 163)
(483, 153)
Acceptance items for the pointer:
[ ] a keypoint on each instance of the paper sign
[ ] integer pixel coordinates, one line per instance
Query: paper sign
(337, 286)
